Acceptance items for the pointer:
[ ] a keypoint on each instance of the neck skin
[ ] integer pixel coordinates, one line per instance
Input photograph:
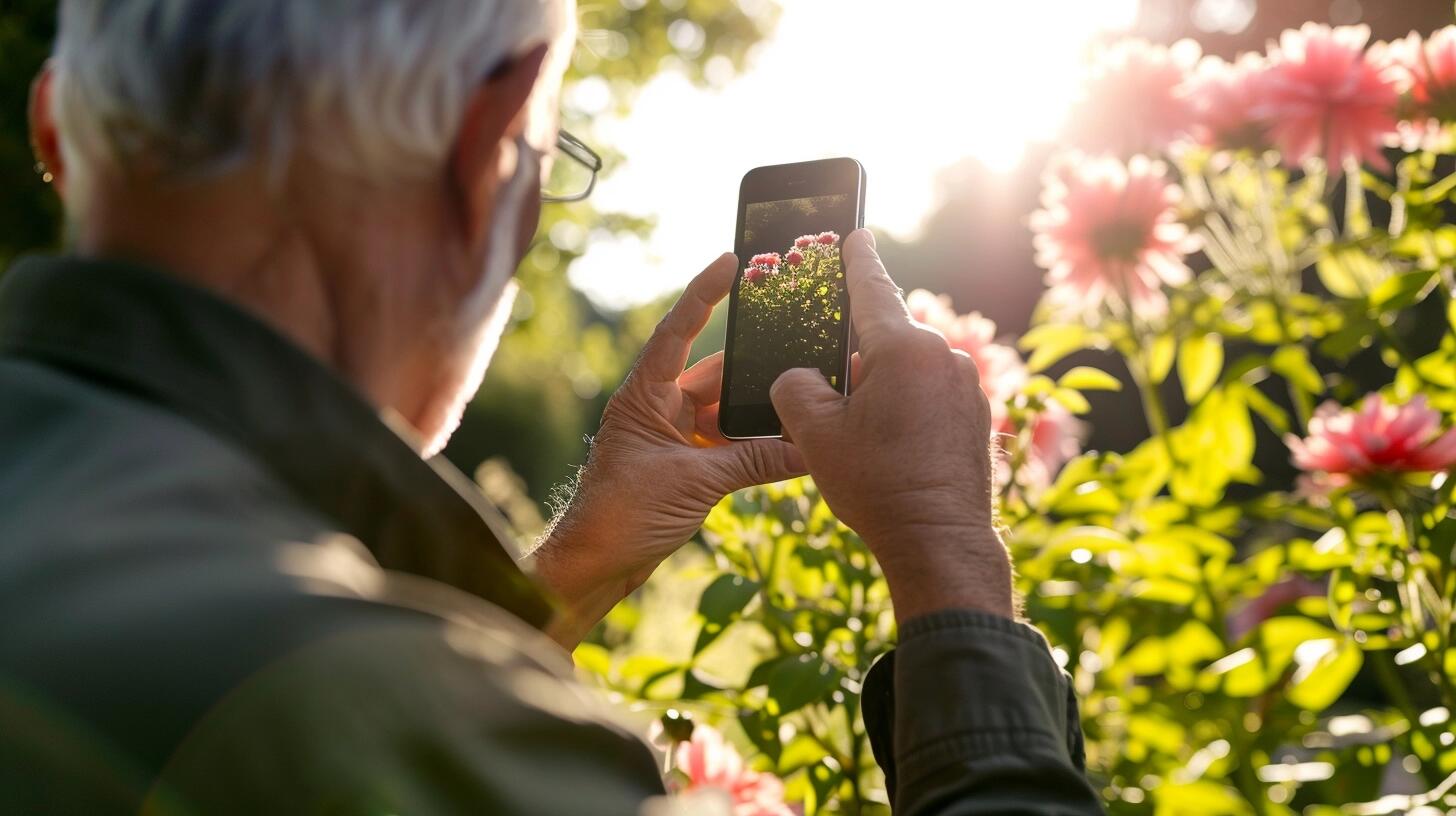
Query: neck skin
(335, 266)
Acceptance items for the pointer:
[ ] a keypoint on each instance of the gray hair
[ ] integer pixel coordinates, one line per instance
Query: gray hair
(191, 88)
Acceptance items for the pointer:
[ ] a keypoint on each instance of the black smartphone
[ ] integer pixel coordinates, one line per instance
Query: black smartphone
(789, 307)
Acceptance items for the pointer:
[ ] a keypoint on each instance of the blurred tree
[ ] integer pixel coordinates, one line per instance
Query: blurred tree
(563, 358)
(30, 218)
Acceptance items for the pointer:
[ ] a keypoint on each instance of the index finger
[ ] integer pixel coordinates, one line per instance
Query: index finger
(874, 299)
(667, 350)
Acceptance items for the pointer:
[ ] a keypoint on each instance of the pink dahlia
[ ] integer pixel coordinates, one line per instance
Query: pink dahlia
(754, 274)
(828, 238)
(1108, 229)
(1225, 97)
(805, 241)
(1056, 437)
(1426, 72)
(1133, 101)
(709, 761)
(795, 257)
(1327, 96)
(1377, 438)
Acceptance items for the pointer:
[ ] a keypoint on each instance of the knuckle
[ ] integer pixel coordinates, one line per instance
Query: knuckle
(760, 463)
(667, 326)
(966, 367)
(922, 346)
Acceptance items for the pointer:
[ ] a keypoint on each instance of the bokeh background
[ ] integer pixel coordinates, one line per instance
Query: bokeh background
(952, 105)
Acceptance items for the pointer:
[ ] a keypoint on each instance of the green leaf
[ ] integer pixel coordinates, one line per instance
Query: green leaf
(593, 659)
(1403, 291)
(1200, 361)
(798, 681)
(1072, 400)
(1292, 363)
(761, 673)
(1201, 798)
(726, 597)
(1086, 378)
(1350, 272)
(801, 752)
(1274, 416)
(1051, 342)
(1160, 357)
(762, 730)
(1326, 667)
(719, 606)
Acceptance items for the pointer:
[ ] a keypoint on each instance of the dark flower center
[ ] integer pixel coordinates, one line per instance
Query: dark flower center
(1120, 240)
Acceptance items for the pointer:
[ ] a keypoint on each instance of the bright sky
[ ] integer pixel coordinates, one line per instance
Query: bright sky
(908, 87)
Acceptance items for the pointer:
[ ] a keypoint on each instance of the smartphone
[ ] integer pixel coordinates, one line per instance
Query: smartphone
(789, 307)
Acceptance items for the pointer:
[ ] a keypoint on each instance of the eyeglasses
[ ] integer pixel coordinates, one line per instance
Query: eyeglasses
(574, 170)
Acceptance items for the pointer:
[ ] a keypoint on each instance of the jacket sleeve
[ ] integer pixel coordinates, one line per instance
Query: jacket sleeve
(410, 719)
(970, 715)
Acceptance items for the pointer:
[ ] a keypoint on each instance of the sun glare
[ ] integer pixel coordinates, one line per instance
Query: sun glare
(909, 88)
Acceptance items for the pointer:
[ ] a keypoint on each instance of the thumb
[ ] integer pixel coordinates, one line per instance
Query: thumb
(801, 396)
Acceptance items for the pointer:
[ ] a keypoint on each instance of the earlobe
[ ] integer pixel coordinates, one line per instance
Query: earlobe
(45, 139)
(481, 163)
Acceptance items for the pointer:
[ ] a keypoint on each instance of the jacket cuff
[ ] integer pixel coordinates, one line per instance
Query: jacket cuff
(968, 685)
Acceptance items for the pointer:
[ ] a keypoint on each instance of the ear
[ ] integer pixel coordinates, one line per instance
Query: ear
(44, 138)
(494, 117)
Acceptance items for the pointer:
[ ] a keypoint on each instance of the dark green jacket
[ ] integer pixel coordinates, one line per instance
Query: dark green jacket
(227, 586)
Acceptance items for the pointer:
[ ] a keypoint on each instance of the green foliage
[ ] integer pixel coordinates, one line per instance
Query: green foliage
(1239, 645)
(791, 611)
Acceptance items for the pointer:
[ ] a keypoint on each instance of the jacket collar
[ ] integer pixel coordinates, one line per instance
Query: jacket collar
(128, 327)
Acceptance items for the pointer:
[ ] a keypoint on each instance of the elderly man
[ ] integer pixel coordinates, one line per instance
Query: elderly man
(231, 580)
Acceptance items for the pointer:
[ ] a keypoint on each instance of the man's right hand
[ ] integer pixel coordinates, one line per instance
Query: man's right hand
(905, 461)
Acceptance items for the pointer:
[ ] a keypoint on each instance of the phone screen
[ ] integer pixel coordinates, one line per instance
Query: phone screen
(790, 307)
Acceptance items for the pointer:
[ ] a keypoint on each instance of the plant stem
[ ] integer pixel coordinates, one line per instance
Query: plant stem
(1356, 220)
(1395, 688)
(1152, 404)
(1245, 779)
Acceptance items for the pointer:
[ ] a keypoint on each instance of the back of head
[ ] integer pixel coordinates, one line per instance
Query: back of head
(188, 89)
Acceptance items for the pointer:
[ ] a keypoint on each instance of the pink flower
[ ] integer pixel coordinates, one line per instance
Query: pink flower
(709, 761)
(805, 241)
(1002, 371)
(767, 259)
(754, 274)
(1256, 611)
(1108, 229)
(1225, 97)
(1377, 438)
(1056, 437)
(795, 257)
(1426, 72)
(1133, 101)
(828, 238)
(1328, 97)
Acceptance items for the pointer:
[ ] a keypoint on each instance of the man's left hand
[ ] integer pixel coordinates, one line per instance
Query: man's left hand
(656, 467)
